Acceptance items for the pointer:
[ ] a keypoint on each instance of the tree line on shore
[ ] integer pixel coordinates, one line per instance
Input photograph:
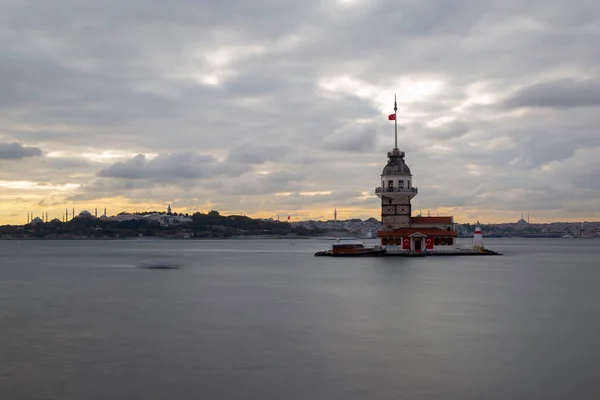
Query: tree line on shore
(211, 224)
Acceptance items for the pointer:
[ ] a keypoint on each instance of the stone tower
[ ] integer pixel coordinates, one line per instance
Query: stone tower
(396, 190)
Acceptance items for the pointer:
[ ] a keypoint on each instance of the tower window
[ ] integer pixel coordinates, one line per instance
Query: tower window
(401, 184)
(391, 184)
(390, 201)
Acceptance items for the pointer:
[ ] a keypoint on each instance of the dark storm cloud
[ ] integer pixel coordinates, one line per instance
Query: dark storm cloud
(558, 94)
(16, 151)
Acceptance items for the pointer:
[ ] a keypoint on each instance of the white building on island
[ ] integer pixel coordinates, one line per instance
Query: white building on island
(164, 219)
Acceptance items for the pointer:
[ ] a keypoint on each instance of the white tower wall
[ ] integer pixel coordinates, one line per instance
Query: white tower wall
(478, 239)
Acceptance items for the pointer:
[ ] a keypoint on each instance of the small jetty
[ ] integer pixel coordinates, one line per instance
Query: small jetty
(458, 252)
(384, 253)
(329, 253)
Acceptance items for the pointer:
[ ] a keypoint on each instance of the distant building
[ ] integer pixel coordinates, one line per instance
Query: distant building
(85, 214)
(522, 224)
(161, 218)
(123, 217)
(169, 220)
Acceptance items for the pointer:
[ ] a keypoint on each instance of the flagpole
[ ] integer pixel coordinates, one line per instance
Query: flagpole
(395, 123)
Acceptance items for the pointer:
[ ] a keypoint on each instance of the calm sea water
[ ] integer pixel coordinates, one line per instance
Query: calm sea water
(264, 319)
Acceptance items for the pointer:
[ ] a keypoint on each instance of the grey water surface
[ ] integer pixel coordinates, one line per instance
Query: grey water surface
(264, 319)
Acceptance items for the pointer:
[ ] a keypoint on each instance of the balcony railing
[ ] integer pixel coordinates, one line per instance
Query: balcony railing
(396, 190)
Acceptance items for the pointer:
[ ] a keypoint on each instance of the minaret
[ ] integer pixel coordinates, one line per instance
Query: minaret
(105, 212)
(169, 210)
(96, 212)
(396, 190)
(335, 215)
(73, 216)
(27, 217)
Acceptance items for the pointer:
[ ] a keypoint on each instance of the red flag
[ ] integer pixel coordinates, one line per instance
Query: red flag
(429, 244)
(406, 244)
(392, 117)
(289, 216)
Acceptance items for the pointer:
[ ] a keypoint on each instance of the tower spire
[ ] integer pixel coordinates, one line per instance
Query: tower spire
(395, 123)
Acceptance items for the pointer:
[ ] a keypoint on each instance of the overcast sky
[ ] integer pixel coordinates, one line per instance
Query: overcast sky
(270, 106)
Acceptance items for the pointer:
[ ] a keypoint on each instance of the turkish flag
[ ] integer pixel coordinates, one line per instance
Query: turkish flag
(429, 244)
(392, 117)
(406, 244)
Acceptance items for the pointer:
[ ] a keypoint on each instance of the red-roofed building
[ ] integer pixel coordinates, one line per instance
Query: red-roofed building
(431, 220)
(401, 232)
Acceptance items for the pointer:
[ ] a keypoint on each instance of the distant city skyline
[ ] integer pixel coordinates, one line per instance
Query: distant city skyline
(334, 216)
(261, 109)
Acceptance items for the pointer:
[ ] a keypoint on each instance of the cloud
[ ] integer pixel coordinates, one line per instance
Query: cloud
(230, 104)
(164, 167)
(452, 130)
(256, 154)
(261, 184)
(16, 151)
(110, 188)
(68, 163)
(557, 94)
(354, 138)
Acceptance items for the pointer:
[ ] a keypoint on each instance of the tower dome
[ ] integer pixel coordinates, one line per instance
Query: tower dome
(396, 164)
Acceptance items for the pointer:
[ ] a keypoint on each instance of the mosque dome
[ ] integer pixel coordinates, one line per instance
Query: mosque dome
(396, 164)
(85, 214)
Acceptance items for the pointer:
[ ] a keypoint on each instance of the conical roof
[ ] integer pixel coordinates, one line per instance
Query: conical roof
(396, 164)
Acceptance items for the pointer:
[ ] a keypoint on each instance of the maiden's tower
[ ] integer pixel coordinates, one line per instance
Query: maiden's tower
(400, 231)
